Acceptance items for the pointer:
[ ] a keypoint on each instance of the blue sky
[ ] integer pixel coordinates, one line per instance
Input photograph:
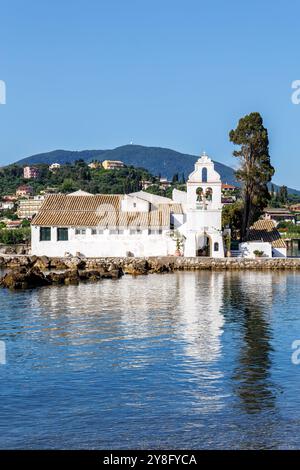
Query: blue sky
(95, 74)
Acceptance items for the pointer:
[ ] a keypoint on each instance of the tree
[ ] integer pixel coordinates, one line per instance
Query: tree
(232, 215)
(255, 171)
(283, 194)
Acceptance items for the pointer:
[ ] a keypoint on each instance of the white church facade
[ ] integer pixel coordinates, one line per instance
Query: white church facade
(138, 224)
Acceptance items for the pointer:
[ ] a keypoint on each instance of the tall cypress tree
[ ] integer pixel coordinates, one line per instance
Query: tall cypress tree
(255, 171)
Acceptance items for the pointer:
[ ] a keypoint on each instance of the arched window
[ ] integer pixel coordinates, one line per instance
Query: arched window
(216, 246)
(204, 175)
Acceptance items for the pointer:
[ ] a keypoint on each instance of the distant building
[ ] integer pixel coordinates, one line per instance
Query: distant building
(146, 184)
(30, 172)
(95, 165)
(24, 191)
(7, 205)
(12, 224)
(49, 191)
(228, 188)
(278, 215)
(295, 208)
(264, 237)
(54, 166)
(29, 207)
(9, 198)
(164, 183)
(228, 193)
(112, 164)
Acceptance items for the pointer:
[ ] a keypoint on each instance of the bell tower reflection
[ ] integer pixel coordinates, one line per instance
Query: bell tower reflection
(251, 376)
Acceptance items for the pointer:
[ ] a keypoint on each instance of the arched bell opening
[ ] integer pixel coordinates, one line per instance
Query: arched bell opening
(208, 194)
(200, 194)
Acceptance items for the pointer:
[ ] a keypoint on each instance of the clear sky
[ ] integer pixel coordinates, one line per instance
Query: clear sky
(96, 74)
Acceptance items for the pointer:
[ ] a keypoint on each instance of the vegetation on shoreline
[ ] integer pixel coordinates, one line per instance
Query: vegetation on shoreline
(15, 236)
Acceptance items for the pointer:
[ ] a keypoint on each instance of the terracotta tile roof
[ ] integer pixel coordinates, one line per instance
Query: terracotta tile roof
(278, 211)
(228, 186)
(99, 210)
(59, 202)
(175, 208)
(265, 230)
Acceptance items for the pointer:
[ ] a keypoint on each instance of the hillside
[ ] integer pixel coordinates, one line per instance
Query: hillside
(157, 160)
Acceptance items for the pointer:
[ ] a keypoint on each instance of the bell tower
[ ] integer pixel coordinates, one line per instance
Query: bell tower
(204, 210)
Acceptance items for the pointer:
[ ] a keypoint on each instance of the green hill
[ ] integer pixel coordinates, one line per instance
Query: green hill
(156, 160)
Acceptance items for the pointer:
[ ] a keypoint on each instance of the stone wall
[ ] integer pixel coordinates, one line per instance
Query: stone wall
(152, 264)
(20, 249)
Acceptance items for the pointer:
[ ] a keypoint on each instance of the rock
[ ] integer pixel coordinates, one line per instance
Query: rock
(90, 275)
(136, 267)
(71, 277)
(112, 274)
(21, 250)
(57, 263)
(10, 250)
(23, 278)
(157, 265)
(32, 259)
(75, 263)
(56, 278)
(42, 263)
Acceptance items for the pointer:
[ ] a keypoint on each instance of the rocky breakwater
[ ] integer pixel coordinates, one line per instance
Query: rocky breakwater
(31, 272)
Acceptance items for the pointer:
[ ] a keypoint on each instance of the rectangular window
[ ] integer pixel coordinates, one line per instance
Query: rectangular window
(62, 234)
(116, 232)
(45, 234)
(97, 231)
(155, 231)
(132, 231)
(80, 231)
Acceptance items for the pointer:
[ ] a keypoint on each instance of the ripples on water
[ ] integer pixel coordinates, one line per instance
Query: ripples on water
(186, 360)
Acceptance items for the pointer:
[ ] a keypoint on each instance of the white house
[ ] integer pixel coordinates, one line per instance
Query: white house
(137, 224)
(263, 239)
(54, 166)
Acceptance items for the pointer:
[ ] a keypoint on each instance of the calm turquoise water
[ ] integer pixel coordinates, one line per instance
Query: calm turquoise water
(188, 360)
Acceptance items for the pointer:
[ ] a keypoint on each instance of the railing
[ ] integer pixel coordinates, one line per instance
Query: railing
(236, 253)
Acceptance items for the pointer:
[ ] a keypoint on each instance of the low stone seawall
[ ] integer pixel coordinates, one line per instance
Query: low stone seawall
(27, 272)
(151, 264)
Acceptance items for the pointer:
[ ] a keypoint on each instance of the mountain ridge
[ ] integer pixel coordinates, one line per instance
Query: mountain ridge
(157, 160)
